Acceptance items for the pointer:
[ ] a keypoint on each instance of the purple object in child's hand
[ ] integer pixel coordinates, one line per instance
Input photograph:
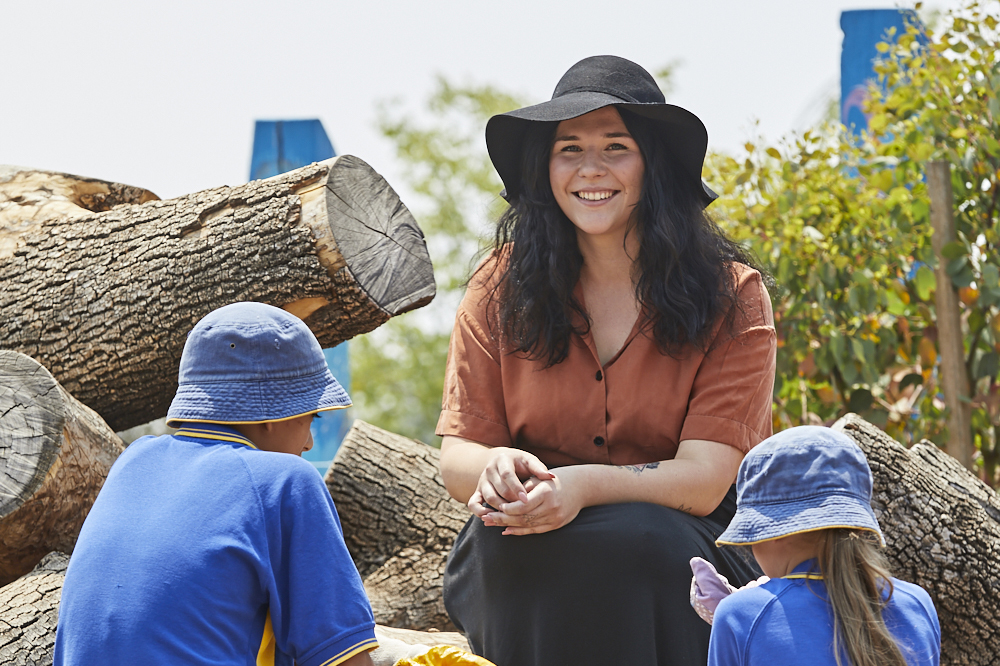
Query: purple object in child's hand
(708, 588)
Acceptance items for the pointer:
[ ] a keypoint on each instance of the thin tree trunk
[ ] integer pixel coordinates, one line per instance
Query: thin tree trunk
(954, 375)
(942, 530)
(105, 299)
(54, 456)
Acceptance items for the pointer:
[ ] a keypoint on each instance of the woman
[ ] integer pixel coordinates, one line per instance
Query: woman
(610, 365)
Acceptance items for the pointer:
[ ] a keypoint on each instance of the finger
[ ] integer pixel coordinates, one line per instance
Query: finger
(537, 468)
(505, 480)
(523, 530)
(477, 505)
(531, 503)
(490, 496)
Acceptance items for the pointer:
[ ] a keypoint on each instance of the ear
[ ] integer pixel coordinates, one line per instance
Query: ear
(268, 425)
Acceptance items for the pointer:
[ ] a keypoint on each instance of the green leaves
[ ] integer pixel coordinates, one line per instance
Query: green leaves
(924, 282)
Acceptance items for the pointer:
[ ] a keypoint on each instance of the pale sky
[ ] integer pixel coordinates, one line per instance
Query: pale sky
(164, 95)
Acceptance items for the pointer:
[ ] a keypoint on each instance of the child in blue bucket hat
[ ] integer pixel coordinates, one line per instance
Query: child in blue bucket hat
(212, 545)
(804, 508)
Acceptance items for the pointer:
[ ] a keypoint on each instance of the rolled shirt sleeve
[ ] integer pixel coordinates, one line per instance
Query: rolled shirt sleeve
(732, 392)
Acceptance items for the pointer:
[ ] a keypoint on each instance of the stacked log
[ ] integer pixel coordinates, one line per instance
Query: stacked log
(942, 532)
(54, 456)
(399, 523)
(104, 298)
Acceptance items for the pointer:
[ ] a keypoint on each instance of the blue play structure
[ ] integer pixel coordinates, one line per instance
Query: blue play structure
(280, 146)
(863, 29)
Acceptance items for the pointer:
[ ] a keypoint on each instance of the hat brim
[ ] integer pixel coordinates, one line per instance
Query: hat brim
(256, 402)
(766, 522)
(687, 136)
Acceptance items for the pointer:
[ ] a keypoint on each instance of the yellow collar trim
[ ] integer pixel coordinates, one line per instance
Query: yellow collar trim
(810, 576)
(215, 434)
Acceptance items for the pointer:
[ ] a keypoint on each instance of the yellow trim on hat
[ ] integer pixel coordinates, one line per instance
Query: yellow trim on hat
(285, 418)
(812, 529)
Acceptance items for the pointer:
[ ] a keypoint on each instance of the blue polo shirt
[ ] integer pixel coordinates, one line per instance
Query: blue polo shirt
(789, 622)
(202, 549)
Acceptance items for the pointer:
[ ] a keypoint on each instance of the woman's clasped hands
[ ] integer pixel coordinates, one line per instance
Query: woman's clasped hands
(516, 491)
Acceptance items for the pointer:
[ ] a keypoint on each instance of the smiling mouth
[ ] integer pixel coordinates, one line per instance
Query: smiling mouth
(596, 196)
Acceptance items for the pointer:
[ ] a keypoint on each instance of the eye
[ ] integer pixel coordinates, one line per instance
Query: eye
(617, 146)
(570, 149)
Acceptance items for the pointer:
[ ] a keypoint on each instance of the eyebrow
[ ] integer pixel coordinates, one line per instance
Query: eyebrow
(609, 135)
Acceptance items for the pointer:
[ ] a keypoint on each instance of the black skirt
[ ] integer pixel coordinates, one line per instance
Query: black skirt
(611, 588)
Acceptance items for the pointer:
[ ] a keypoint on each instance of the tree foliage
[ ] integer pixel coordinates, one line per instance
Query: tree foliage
(843, 225)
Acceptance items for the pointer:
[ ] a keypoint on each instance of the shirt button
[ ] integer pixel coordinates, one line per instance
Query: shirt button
(598, 441)
(599, 376)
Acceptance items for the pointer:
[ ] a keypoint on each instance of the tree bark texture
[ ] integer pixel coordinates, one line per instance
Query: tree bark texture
(105, 299)
(399, 523)
(54, 456)
(29, 608)
(942, 530)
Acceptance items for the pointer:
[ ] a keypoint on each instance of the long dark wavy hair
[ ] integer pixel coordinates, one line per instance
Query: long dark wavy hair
(683, 273)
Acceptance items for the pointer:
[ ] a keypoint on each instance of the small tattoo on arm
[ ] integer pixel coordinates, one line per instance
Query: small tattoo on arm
(685, 508)
(638, 469)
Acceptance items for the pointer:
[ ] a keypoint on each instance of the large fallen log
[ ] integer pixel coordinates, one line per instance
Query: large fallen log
(54, 456)
(29, 608)
(399, 523)
(105, 297)
(942, 532)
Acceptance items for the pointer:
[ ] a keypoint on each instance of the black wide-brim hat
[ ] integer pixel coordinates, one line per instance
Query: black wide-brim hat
(592, 84)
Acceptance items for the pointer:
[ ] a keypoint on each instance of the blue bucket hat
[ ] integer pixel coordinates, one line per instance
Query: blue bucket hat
(250, 363)
(802, 479)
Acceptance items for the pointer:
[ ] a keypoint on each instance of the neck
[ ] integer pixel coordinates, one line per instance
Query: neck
(608, 259)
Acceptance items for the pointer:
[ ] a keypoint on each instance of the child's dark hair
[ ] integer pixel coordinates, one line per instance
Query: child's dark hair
(856, 574)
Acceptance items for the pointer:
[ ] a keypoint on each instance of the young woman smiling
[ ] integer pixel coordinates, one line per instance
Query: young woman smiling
(611, 363)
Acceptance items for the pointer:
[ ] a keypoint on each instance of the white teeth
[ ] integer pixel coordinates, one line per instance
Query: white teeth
(595, 196)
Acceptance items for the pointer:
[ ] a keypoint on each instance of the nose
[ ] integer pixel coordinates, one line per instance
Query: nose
(309, 442)
(591, 163)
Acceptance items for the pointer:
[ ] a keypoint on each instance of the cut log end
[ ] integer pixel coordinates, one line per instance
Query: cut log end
(32, 416)
(54, 456)
(371, 233)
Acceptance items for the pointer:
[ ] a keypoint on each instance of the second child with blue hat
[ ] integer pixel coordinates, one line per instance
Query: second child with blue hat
(804, 508)
(213, 545)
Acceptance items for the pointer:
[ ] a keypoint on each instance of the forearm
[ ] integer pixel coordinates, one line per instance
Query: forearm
(695, 482)
(462, 463)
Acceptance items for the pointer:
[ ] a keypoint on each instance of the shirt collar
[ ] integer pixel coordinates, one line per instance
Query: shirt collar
(212, 431)
(808, 569)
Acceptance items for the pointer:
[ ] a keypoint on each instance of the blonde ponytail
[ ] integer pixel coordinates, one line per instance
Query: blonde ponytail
(856, 574)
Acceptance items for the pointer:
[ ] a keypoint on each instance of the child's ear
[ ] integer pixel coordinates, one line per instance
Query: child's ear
(268, 425)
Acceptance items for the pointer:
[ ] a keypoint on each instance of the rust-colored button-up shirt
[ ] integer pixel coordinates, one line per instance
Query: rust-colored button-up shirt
(635, 409)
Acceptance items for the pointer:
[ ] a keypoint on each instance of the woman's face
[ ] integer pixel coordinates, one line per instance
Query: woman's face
(595, 169)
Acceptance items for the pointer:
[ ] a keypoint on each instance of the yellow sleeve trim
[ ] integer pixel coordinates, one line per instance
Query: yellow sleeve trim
(367, 644)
